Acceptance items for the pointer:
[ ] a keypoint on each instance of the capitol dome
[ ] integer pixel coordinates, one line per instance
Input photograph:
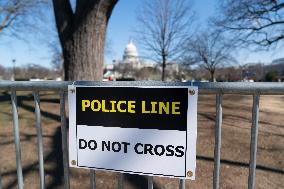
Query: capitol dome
(130, 53)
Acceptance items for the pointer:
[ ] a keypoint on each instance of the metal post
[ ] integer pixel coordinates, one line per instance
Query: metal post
(39, 139)
(93, 179)
(14, 68)
(64, 141)
(0, 181)
(217, 148)
(150, 182)
(253, 143)
(17, 140)
(181, 183)
(120, 181)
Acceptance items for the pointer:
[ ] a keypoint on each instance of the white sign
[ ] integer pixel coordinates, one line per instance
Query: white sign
(140, 130)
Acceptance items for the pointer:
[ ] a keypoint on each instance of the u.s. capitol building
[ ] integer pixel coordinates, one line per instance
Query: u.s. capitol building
(131, 65)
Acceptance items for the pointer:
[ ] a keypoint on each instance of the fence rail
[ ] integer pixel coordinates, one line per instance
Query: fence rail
(254, 89)
(261, 88)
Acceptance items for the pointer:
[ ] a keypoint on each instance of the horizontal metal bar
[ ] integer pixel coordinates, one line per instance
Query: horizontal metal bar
(17, 140)
(253, 144)
(204, 87)
(39, 139)
(217, 148)
(34, 85)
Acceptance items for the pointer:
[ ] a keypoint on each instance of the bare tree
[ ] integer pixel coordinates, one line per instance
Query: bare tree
(18, 15)
(82, 36)
(30, 70)
(2, 71)
(148, 73)
(126, 70)
(57, 58)
(253, 22)
(210, 50)
(163, 27)
(36, 71)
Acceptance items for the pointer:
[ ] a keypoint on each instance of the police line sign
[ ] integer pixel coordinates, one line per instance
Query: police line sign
(141, 130)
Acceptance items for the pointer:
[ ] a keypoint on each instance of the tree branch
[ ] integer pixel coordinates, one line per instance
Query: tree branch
(253, 22)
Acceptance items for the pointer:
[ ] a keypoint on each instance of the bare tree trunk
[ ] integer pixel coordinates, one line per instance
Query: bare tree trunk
(212, 78)
(84, 51)
(82, 36)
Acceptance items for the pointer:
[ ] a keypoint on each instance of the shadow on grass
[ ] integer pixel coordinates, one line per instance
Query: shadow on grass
(56, 155)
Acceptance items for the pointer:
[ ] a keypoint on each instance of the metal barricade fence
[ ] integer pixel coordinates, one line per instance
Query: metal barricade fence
(254, 89)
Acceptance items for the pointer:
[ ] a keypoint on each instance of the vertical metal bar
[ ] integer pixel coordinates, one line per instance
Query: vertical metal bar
(17, 140)
(150, 182)
(217, 148)
(93, 179)
(64, 141)
(120, 181)
(0, 181)
(39, 139)
(181, 183)
(253, 143)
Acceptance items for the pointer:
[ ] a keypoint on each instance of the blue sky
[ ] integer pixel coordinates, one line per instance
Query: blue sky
(120, 29)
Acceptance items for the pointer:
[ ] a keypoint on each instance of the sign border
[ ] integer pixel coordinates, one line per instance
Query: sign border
(72, 124)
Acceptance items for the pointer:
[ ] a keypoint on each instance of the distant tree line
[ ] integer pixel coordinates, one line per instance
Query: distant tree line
(258, 72)
(151, 73)
(29, 71)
